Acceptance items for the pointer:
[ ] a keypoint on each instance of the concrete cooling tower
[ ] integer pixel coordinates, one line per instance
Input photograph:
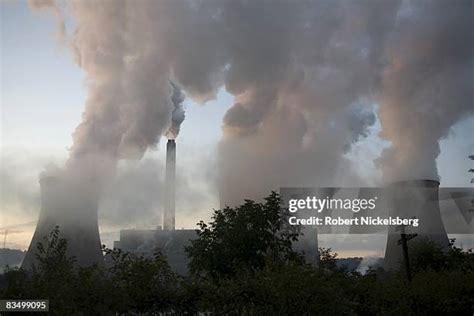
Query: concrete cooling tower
(72, 205)
(408, 199)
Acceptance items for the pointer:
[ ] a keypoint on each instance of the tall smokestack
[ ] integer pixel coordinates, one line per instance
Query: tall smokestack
(170, 190)
(418, 198)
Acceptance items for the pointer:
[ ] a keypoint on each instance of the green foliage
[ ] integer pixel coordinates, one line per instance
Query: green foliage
(429, 293)
(125, 283)
(142, 283)
(53, 275)
(245, 237)
(427, 255)
(283, 289)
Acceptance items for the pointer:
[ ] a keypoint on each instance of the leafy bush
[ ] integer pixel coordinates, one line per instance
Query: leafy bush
(245, 237)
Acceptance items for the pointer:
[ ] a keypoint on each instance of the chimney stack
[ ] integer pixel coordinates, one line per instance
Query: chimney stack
(170, 191)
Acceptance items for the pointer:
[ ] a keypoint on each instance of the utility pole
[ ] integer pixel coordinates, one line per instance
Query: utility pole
(404, 238)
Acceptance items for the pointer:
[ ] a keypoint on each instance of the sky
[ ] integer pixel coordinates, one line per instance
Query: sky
(43, 96)
(42, 99)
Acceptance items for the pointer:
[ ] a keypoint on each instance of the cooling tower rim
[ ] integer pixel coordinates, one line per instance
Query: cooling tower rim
(415, 183)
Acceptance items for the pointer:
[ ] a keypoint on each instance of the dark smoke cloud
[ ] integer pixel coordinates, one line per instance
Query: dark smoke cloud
(178, 115)
(305, 76)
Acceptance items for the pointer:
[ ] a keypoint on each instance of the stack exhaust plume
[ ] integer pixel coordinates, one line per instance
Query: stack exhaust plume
(416, 198)
(170, 186)
(72, 206)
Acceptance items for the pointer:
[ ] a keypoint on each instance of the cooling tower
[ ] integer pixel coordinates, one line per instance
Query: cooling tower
(170, 183)
(407, 199)
(72, 205)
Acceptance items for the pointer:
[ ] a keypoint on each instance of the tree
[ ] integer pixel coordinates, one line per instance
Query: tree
(427, 255)
(51, 277)
(126, 283)
(327, 260)
(244, 264)
(142, 283)
(246, 237)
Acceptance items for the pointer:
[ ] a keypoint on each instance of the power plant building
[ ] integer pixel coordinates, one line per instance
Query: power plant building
(167, 239)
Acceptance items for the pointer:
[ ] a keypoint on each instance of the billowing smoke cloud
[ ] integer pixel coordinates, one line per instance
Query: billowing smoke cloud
(305, 76)
(427, 84)
(178, 114)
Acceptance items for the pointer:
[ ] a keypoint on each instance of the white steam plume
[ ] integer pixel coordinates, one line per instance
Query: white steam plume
(304, 76)
(427, 84)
